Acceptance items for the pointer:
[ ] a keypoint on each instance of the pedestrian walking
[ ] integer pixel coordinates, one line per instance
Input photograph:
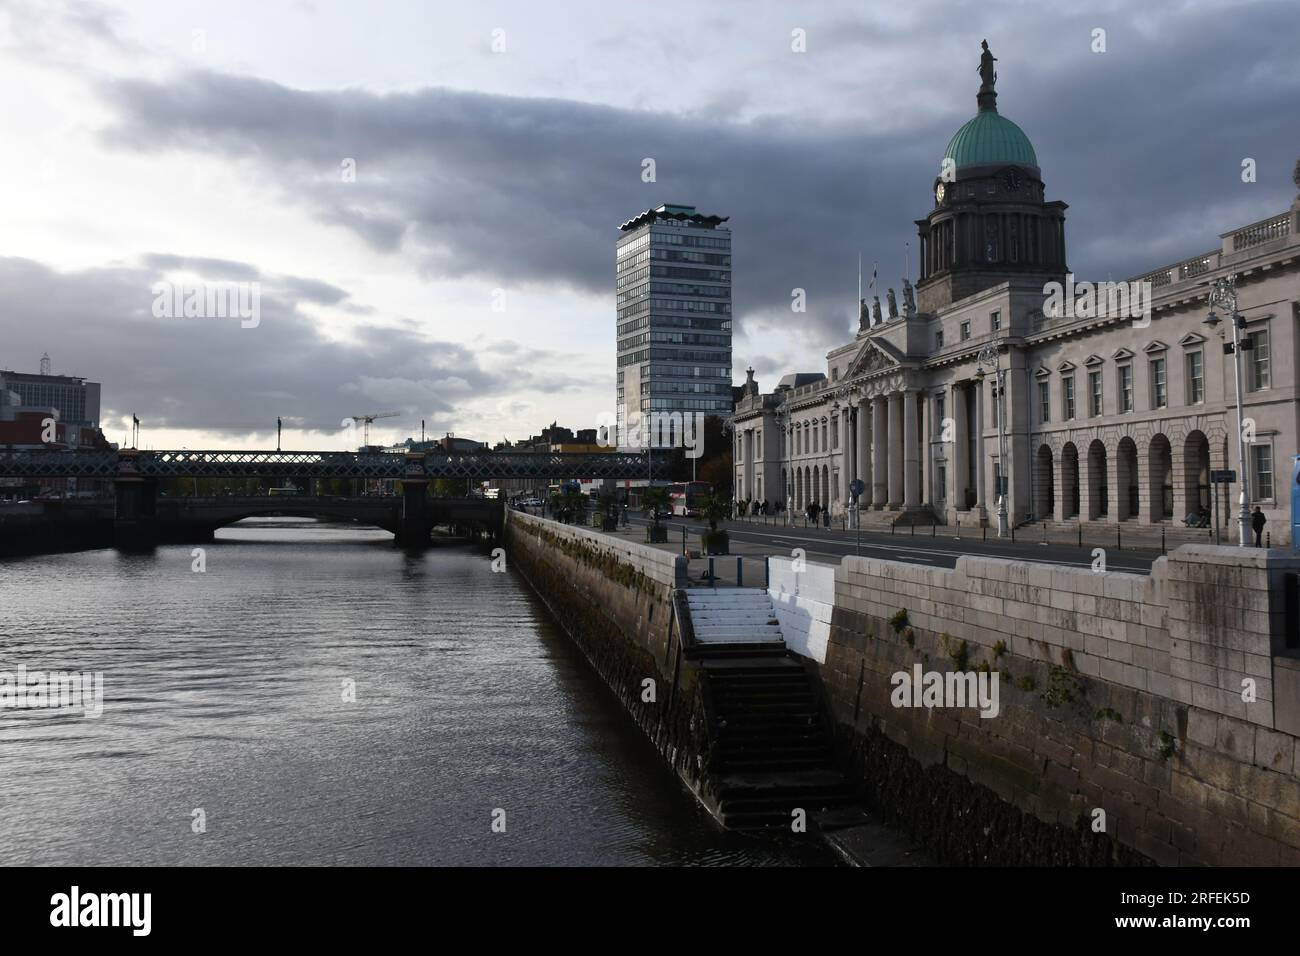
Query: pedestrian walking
(1257, 522)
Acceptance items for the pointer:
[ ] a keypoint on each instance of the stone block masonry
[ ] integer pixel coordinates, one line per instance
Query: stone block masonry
(1168, 703)
(615, 599)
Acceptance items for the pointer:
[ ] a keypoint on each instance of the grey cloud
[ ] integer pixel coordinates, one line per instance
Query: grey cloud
(211, 374)
(529, 190)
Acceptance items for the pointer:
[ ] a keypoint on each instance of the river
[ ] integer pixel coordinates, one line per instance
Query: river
(226, 711)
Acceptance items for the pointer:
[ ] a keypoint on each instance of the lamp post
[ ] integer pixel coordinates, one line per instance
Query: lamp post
(848, 396)
(1223, 293)
(991, 353)
(783, 422)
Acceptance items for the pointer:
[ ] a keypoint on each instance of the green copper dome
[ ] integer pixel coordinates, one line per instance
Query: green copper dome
(990, 138)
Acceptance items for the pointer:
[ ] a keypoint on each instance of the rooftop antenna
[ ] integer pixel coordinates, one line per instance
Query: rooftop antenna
(45, 364)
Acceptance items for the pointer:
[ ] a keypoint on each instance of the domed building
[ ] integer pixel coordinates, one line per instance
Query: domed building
(999, 392)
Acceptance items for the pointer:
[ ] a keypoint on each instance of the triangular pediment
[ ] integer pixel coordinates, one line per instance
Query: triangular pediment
(1156, 346)
(1066, 366)
(1043, 371)
(1092, 360)
(873, 356)
(1122, 354)
(1191, 338)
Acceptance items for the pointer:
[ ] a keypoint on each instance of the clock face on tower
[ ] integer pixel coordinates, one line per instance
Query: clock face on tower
(938, 192)
(1012, 180)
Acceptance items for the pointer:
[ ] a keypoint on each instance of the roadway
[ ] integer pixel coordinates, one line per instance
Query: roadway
(942, 549)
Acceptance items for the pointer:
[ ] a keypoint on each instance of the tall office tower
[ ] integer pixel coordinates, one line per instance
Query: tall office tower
(674, 315)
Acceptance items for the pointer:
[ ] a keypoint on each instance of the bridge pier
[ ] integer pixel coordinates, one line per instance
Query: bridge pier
(417, 515)
(135, 513)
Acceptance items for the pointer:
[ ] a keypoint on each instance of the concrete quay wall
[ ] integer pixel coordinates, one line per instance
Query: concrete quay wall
(615, 599)
(1169, 703)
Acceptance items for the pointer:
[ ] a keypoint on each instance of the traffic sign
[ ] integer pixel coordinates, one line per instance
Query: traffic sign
(856, 487)
(1225, 477)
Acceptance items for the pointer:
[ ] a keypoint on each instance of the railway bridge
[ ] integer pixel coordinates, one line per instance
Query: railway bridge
(142, 517)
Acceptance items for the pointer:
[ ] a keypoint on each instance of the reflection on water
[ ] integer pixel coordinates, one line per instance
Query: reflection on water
(224, 691)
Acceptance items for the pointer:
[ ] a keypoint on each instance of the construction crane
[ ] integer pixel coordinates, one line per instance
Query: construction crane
(367, 419)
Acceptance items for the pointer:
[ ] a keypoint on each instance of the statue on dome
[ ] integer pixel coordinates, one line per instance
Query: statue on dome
(987, 74)
(891, 303)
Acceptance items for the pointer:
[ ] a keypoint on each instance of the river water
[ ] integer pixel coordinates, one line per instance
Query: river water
(224, 692)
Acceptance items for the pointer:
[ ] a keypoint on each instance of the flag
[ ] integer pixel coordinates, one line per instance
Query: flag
(135, 421)
(872, 283)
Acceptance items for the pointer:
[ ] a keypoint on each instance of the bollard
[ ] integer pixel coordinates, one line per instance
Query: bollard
(712, 579)
(1162, 539)
(984, 536)
(1118, 542)
(1080, 534)
(957, 536)
(892, 526)
(740, 572)
(913, 529)
(1268, 539)
(767, 572)
(932, 527)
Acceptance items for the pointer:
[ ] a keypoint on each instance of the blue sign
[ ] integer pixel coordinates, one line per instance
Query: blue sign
(857, 486)
(1295, 505)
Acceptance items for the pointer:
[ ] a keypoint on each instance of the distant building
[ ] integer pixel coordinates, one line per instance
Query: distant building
(40, 410)
(673, 299)
(28, 400)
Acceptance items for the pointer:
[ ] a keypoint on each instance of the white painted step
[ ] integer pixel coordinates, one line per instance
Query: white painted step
(734, 616)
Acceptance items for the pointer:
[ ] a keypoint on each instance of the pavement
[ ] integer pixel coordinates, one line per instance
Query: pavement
(754, 539)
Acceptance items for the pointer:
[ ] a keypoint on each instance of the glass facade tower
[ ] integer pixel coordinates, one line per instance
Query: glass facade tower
(673, 268)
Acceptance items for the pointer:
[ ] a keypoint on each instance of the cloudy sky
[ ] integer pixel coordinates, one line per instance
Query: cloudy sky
(465, 275)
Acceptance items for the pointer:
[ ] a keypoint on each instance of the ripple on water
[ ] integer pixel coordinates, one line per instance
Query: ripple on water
(225, 691)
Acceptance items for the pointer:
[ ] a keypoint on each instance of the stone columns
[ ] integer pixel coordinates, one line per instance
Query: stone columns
(981, 460)
(896, 459)
(926, 429)
(879, 453)
(911, 452)
(960, 459)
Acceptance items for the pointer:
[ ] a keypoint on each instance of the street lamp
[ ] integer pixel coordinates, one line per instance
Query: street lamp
(991, 353)
(848, 395)
(1224, 294)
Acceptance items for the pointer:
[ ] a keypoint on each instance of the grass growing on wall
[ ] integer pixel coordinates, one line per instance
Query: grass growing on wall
(587, 554)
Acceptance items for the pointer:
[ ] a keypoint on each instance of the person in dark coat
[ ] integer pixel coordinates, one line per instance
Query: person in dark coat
(1257, 522)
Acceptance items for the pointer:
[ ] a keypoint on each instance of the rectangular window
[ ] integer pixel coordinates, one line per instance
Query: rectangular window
(938, 339)
(965, 329)
(996, 403)
(1258, 362)
(1044, 402)
(1261, 459)
(1195, 378)
(1094, 391)
(995, 320)
(814, 439)
(1067, 396)
(939, 401)
(825, 442)
(1159, 389)
(1126, 388)
(758, 444)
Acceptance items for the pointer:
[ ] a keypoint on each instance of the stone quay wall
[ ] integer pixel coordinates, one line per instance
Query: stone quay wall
(615, 599)
(1169, 703)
